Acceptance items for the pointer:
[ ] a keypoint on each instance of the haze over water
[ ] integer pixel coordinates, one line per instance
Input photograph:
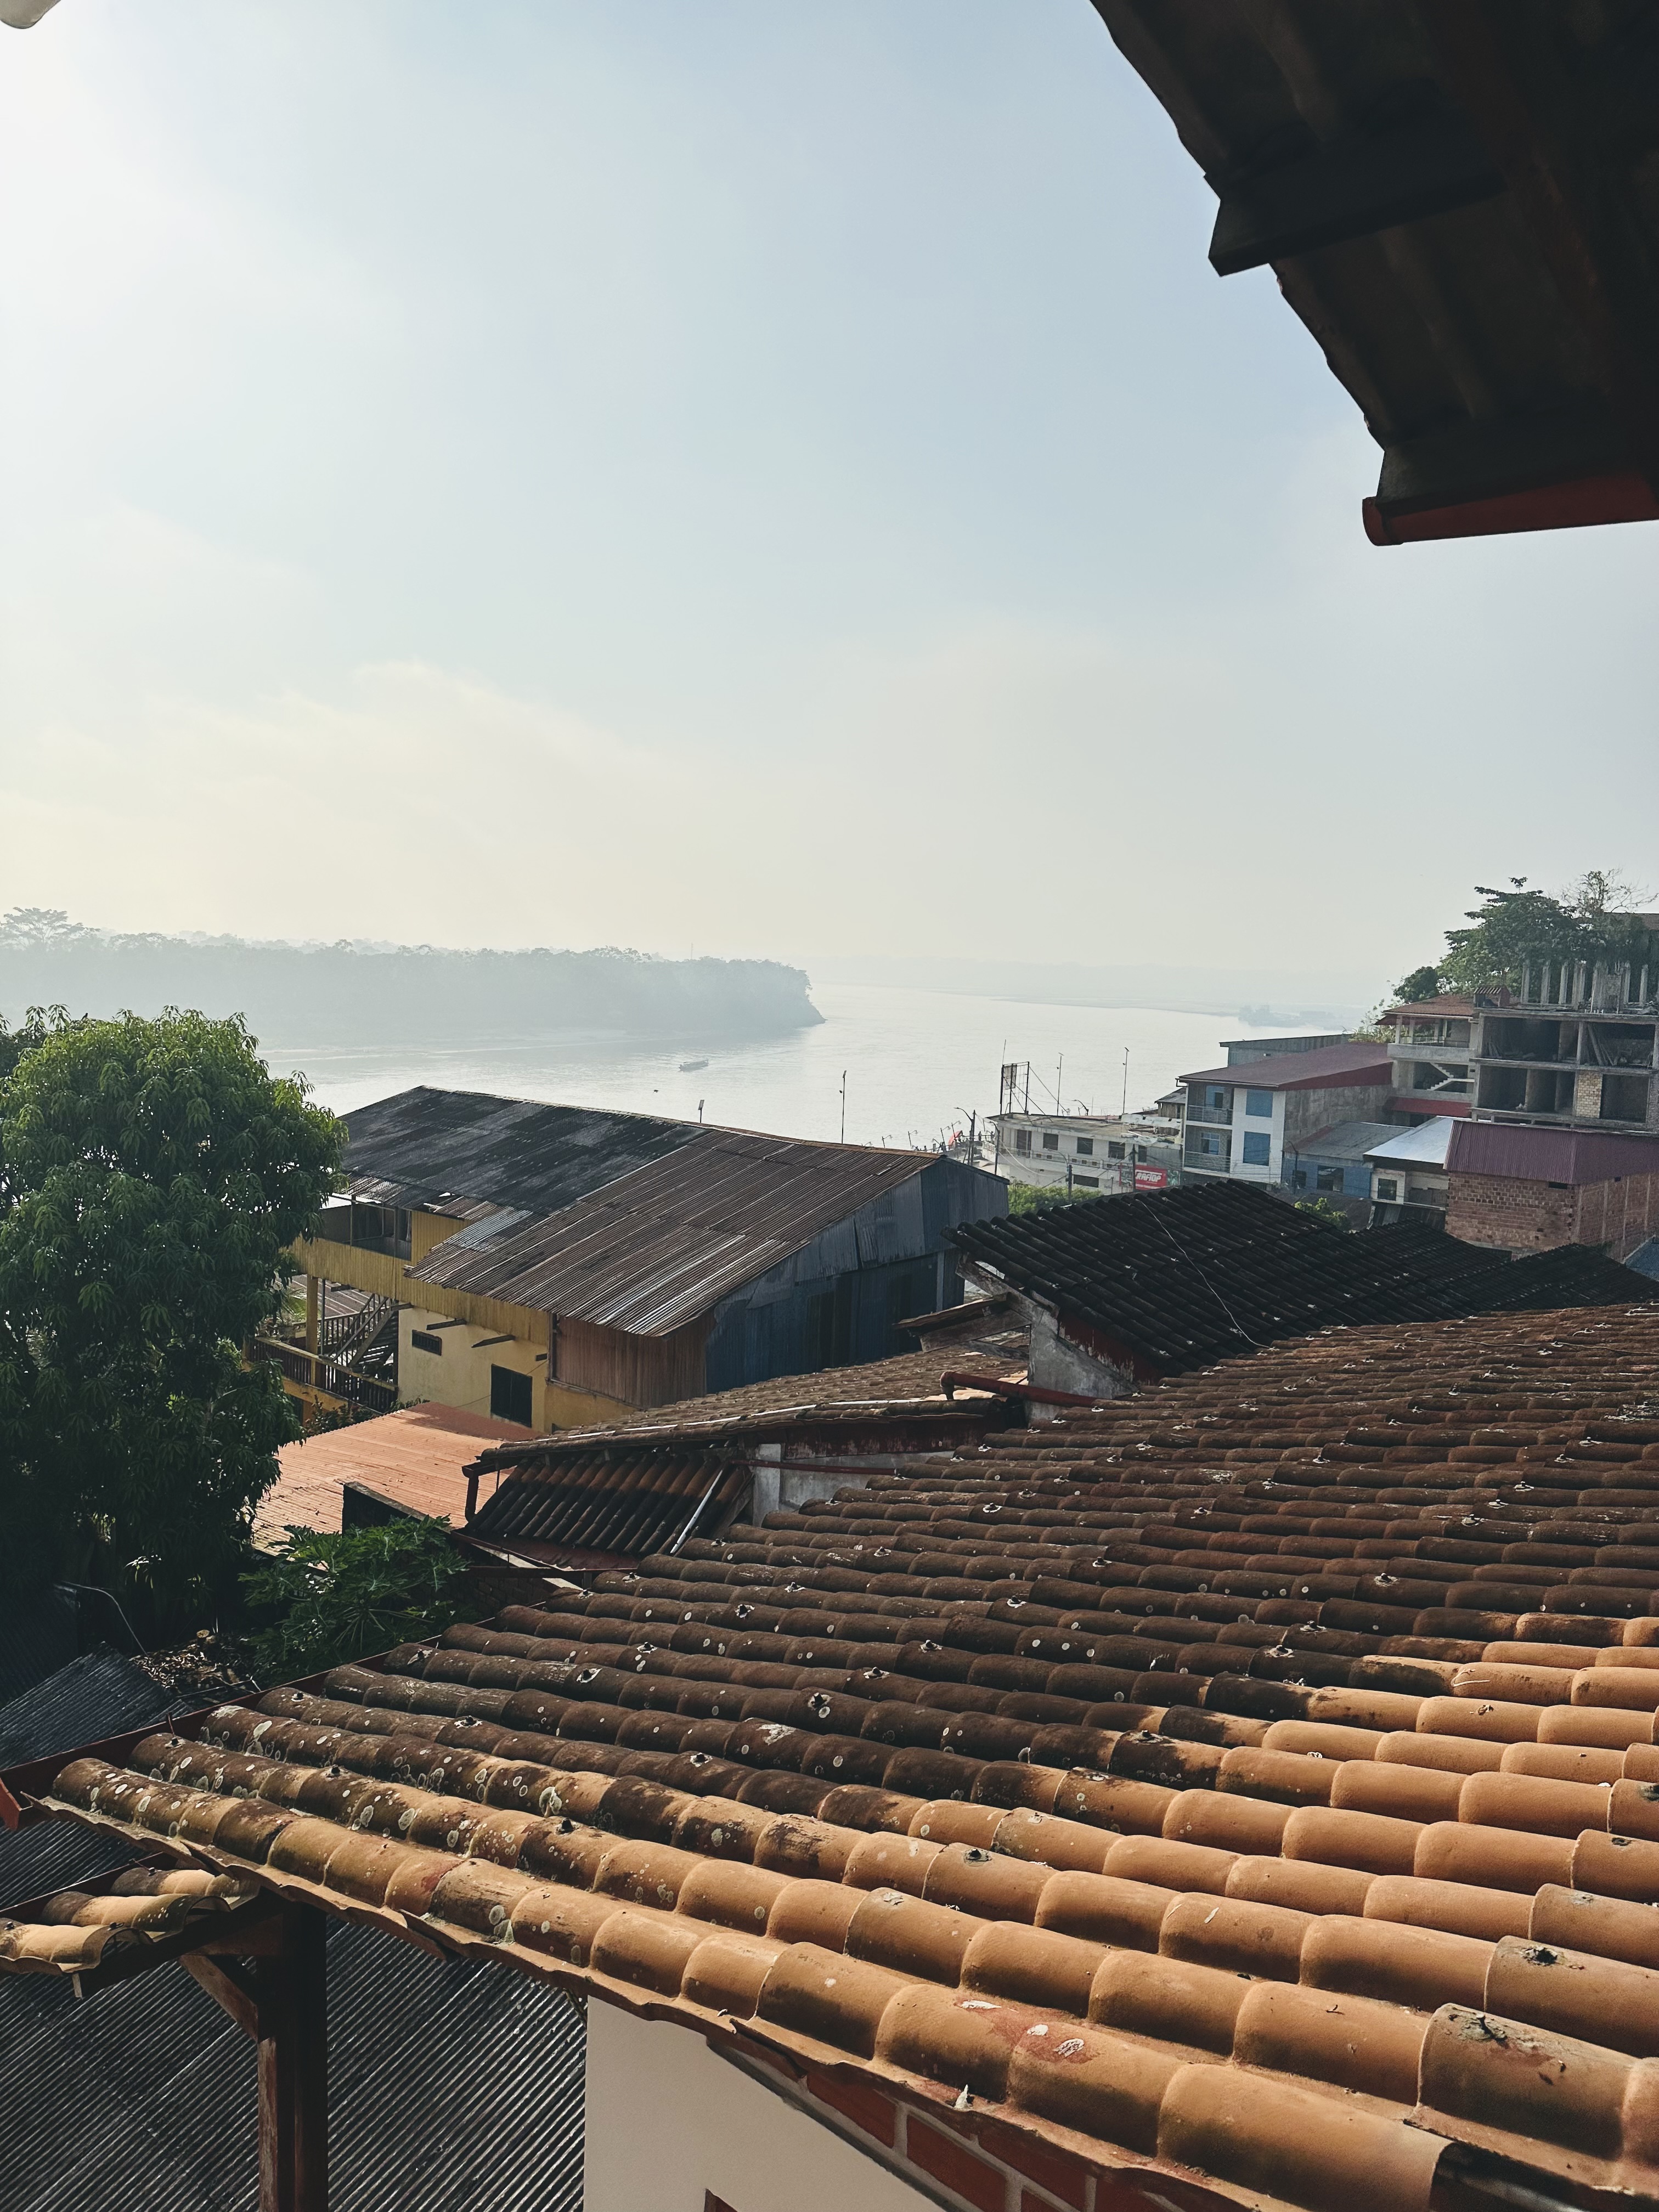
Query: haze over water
(916, 1062)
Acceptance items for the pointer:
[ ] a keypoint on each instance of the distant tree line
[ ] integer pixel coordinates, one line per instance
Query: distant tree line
(348, 994)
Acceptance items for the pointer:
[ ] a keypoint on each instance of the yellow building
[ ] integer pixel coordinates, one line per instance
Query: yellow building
(556, 1267)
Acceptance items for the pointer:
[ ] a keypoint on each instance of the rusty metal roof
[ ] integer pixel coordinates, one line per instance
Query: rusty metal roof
(1242, 1793)
(1333, 1064)
(1536, 1154)
(662, 1242)
(469, 1154)
(1457, 202)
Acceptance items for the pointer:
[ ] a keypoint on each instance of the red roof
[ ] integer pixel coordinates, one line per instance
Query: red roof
(1333, 1067)
(416, 1458)
(1541, 1155)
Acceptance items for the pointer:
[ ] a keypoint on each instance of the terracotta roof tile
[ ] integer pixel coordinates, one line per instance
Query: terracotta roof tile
(935, 1781)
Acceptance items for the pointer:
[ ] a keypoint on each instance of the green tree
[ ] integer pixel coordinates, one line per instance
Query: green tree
(153, 1173)
(345, 1592)
(1324, 1211)
(1421, 984)
(1038, 1197)
(1592, 919)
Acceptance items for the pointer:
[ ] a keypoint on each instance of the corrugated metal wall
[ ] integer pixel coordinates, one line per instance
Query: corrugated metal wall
(838, 1301)
(640, 1370)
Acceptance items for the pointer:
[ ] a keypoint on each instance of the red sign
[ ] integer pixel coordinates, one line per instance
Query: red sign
(1152, 1178)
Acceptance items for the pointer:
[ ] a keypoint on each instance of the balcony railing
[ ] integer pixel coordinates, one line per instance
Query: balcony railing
(1590, 987)
(1213, 1117)
(312, 1370)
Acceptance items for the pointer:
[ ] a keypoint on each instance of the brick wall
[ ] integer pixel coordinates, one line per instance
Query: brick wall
(976, 2162)
(1521, 1215)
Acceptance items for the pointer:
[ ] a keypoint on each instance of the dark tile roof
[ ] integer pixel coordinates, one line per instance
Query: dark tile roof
(1260, 1746)
(1185, 1278)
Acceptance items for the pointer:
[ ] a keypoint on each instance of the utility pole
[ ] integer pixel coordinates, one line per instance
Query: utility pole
(843, 1105)
(1124, 1116)
(699, 1110)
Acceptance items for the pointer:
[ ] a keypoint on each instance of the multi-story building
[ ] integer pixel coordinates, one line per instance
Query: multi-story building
(1087, 1153)
(1431, 1048)
(1244, 1120)
(1576, 1047)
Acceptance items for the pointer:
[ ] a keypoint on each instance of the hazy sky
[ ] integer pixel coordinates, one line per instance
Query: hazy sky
(775, 476)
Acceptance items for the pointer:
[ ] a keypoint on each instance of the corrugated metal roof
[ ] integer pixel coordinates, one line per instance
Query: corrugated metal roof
(663, 1244)
(101, 1693)
(1333, 1064)
(1342, 1141)
(1426, 1145)
(416, 1457)
(449, 1151)
(1542, 1155)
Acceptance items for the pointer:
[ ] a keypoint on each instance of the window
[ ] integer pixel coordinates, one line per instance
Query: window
(1387, 1189)
(1258, 1148)
(1085, 1148)
(421, 1340)
(1299, 1179)
(1209, 1143)
(1114, 1150)
(510, 1397)
(1328, 1179)
(1086, 1182)
(1022, 1140)
(1259, 1105)
(1050, 1141)
(1219, 1097)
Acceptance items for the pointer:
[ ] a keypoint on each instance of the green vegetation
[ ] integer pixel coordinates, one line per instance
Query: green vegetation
(1594, 919)
(345, 1593)
(1037, 1197)
(152, 1176)
(1324, 1210)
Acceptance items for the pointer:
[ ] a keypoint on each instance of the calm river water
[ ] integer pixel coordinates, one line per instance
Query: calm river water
(915, 1062)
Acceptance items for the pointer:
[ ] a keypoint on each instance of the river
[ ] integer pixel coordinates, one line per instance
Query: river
(917, 1063)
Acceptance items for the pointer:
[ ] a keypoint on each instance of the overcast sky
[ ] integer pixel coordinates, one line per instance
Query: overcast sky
(772, 475)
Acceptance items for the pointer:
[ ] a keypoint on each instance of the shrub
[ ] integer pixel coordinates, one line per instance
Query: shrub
(352, 1591)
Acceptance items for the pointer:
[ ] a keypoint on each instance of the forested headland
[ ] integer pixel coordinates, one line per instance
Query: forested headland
(354, 993)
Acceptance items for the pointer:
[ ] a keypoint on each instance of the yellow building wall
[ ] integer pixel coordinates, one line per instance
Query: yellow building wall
(459, 1375)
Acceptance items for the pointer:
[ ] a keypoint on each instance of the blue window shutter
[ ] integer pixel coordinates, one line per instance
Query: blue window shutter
(1259, 1105)
(1258, 1148)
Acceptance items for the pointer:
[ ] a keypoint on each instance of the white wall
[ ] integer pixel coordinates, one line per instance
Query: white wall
(668, 2120)
(1272, 1128)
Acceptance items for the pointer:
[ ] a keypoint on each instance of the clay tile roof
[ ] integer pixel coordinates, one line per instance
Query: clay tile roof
(597, 1497)
(1208, 1789)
